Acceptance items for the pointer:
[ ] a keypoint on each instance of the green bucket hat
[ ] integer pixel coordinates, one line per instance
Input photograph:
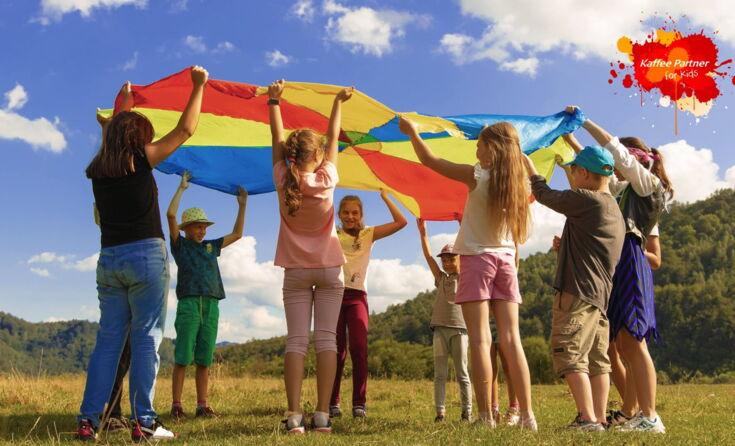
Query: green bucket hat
(194, 215)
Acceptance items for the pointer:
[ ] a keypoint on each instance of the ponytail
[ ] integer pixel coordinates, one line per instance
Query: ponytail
(659, 170)
(299, 146)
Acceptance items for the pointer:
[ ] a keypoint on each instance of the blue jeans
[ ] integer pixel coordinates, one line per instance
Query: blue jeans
(132, 284)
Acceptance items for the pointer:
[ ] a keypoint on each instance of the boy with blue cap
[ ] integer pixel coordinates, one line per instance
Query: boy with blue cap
(589, 250)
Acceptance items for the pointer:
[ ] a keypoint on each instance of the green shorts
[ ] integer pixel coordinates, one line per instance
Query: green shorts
(196, 323)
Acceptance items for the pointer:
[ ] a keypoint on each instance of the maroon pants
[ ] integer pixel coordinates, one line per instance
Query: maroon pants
(353, 320)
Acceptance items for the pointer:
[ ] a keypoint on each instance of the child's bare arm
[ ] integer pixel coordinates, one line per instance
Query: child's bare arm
(433, 266)
(653, 251)
(275, 90)
(335, 123)
(464, 173)
(160, 150)
(173, 207)
(398, 223)
(242, 201)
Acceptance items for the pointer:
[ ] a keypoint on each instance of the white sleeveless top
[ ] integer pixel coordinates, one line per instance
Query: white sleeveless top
(475, 234)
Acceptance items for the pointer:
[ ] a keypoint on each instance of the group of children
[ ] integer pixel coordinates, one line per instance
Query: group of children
(603, 278)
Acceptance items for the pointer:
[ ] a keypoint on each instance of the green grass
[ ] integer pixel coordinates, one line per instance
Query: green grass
(42, 410)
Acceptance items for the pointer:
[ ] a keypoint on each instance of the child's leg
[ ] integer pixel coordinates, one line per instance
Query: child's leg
(458, 348)
(357, 327)
(506, 316)
(476, 316)
(600, 367)
(495, 404)
(202, 383)
(600, 385)
(512, 397)
(641, 370)
(441, 364)
(579, 384)
(327, 303)
(206, 343)
(341, 355)
(297, 303)
(618, 369)
(177, 383)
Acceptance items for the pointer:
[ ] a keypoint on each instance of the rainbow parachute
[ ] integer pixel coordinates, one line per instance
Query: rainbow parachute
(231, 146)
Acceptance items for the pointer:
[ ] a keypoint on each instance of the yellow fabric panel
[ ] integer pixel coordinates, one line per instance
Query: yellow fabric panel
(360, 114)
(433, 124)
(355, 174)
(544, 159)
(453, 149)
(213, 130)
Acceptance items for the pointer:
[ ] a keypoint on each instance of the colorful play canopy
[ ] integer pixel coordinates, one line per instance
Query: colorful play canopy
(232, 145)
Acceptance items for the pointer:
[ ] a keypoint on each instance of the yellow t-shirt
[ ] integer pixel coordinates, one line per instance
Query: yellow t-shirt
(357, 252)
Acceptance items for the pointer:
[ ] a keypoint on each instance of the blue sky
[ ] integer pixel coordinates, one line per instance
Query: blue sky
(62, 59)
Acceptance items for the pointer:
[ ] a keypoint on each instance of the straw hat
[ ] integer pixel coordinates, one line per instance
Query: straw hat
(194, 215)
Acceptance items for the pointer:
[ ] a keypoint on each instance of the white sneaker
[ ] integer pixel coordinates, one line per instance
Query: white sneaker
(645, 424)
(294, 423)
(512, 417)
(529, 424)
(156, 431)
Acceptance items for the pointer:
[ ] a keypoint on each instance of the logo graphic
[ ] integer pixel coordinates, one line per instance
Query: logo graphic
(683, 69)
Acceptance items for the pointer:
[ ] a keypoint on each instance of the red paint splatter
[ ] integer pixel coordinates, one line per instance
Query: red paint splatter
(627, 81)
(613, 73)
(621, 66)
(733, 80)
(683, 68)
(610, 81)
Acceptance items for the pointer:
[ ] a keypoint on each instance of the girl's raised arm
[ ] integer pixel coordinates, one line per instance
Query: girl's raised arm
(276, 121)
(398, 223)
(433, 265)
(187, 125)
(173, 207)
(335, 123)
(459, 172)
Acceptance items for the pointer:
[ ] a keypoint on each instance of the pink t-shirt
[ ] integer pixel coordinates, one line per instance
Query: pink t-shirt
(309, 238)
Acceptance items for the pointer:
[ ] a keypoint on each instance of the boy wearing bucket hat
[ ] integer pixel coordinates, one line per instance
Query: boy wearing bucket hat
(199, 290)
(589, 250)
(447, 323)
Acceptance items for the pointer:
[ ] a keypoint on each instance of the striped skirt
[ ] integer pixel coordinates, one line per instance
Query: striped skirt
(631, 304)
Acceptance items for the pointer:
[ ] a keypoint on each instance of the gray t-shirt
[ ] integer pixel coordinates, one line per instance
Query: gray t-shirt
(446, 313)
(590, 243)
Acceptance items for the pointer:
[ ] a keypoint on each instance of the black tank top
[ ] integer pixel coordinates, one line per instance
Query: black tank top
(128, 206)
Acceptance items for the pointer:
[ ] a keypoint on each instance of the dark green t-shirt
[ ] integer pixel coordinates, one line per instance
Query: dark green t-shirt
(198, 273)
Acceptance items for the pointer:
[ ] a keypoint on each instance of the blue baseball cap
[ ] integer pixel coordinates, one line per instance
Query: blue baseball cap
(595, 159)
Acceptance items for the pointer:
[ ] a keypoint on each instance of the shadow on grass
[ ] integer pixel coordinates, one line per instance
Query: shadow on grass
(32, 427)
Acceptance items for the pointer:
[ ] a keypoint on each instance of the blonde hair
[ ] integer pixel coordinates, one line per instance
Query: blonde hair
(508, 192)
(299, 147)
(354, 199)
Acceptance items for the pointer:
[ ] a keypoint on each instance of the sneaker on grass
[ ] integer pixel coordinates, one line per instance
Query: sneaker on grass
(320, 423)
(583, 425)
(335, 412)
(466, 416)
(115, 424)
(512, 416)
(206, 411)
(155, 431)
(529, 424)
(359, 412)
(645, 424)
(294, 423)
(617, 418)
(85, 431)
(439, 418)
(177, 413)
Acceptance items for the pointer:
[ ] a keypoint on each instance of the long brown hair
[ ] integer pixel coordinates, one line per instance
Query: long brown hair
(657, 168)
(355, 199)
(508, 189)
(124, 138)
(300, 145)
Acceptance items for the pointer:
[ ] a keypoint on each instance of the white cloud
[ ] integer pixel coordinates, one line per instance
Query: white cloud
(391, 282)
(527, 66)
(197, 45)
(131, 63)
(521, 29)
(242, 274)
(693, 172)
(179, 5)
(66, 262)
(276, 58)
(54, 10)
(304, 10)
(43, 272)
(367, 30)
(17, 97)
(40, 133)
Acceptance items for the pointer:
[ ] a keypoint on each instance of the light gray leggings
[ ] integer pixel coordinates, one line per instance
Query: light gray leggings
(451, 341)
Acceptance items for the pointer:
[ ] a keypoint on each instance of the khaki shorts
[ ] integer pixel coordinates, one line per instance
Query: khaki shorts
(579, 337)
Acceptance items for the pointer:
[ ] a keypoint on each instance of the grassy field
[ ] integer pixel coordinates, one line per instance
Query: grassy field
(42, 410)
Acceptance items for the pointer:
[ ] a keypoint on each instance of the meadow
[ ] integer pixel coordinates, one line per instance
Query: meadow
(41, 410)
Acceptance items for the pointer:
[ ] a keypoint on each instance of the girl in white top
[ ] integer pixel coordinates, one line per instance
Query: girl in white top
(496, 218)
(352, 327)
